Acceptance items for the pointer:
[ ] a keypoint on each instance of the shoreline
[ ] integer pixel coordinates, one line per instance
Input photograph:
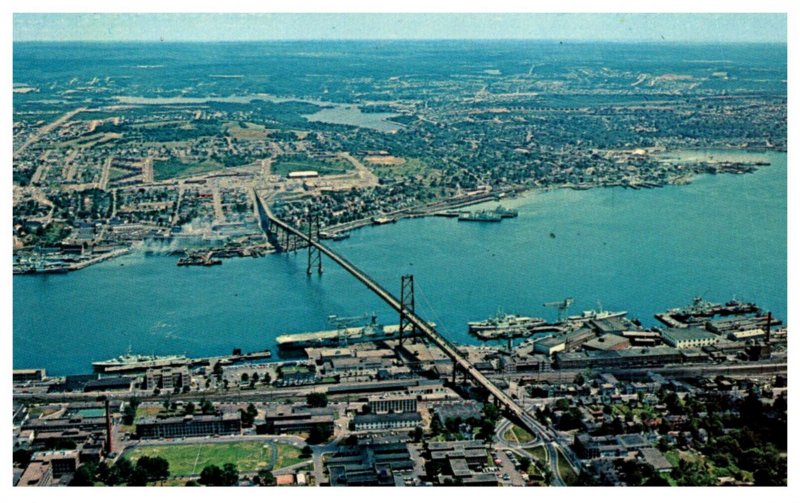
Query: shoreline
(435, 208)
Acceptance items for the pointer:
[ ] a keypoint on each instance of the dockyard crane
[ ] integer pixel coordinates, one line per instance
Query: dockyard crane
(562, 306)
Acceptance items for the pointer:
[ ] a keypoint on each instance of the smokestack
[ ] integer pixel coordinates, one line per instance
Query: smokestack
(769, 324)
(108, 429)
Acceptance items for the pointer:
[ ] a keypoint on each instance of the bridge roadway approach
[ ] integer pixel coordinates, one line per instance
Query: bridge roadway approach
(459, 361)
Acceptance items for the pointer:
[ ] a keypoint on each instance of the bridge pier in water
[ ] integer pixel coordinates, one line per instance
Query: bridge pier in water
(407, 306)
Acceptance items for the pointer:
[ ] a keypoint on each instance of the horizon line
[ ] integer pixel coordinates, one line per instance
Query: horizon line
(477, 39)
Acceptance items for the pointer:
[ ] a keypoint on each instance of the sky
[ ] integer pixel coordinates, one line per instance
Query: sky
(248, 27)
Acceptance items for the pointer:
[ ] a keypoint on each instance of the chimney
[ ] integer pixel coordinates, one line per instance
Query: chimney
(769, 325)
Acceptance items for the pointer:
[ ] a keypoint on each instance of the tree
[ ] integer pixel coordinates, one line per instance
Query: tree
(138, 477)
(120, 472)
(22, 457)
(129, 412)
(491, 412)
(245, 377)
(436, 425)
(155, 468)
(266, 478)
(317, 400)
(207, 407)
(84, 475)
(524, 464)
(254, 378)
(211, 475)
(230, 474)
(417, 435)
(248, 415)
(487, 430)
(267, 378)
(217, 371)
(306, 452)
(318, 434)
(189, 408)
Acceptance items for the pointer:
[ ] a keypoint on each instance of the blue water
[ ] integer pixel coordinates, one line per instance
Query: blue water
(640, 251)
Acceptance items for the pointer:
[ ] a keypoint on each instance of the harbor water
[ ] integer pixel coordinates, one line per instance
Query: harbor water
(641, 251)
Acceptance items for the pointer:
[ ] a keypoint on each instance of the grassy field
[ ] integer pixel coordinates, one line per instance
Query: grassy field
(190, 459)
(323, 167)
(175, 168)
(410, 167)
(537, 452)
(245, 130)
(517, 434)
(566, 471)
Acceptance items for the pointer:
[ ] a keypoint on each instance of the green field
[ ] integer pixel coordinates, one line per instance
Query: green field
(323, 167)
(175, 168)
(537, 453)
(517, 434)
(190, 459)
(566, 471)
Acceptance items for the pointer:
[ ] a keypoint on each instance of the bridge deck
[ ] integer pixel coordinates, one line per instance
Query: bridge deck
(424, 328)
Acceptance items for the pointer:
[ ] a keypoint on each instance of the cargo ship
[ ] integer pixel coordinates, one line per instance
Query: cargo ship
(139, 362)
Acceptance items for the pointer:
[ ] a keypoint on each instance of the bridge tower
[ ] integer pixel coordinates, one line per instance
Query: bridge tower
(406, 306)
(314, 254)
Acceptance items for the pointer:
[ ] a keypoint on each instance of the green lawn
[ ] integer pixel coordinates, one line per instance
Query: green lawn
(287, 455)
(175, 168)
(522, 436)
(322, 166)
(190, 459)
(537, 453)
(570, 478)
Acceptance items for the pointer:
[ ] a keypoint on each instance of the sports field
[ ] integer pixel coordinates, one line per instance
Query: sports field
(190, 459)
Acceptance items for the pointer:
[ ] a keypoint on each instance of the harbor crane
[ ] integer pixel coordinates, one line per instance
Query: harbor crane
(562, 306)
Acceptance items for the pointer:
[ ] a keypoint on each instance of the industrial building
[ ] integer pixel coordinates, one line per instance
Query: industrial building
(189, 426)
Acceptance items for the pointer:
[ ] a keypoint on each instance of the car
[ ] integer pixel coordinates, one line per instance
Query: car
(506, 476)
